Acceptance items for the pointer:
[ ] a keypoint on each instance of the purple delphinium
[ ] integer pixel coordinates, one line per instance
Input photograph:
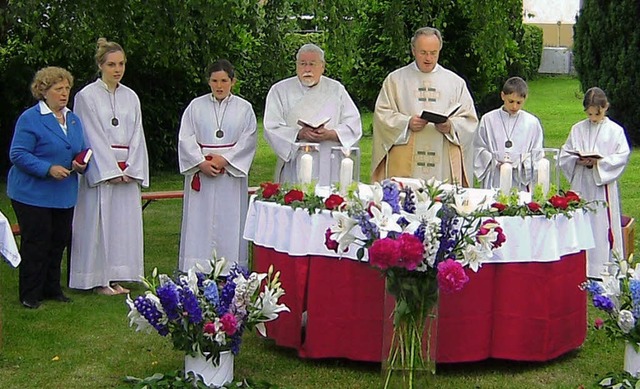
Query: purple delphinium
(634, 288)
(409, 204)
(211, 293)
(593, 287)
(150, 312)
(236, 340)
(449, 234)
(420, 232)
(391, 195)
(190, 305)
(226, 297)
(170, 300)
(201, 277)
(369, 229)
(602, 302)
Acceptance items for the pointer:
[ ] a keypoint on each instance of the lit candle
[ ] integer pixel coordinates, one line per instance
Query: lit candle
(346, 174)
(306, 168)
(506, 171)
(543, 174)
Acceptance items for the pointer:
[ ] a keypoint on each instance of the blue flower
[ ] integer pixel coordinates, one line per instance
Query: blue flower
(370, 230)
(211, 293)
(226, 297)
(150, 312)
(409, 204)
(170, 300)
(634, 288)
(190, 305)
(602, 302)
(594, 287)
(391, 195)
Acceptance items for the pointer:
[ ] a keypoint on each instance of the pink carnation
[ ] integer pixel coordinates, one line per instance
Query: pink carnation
(229, 323)
(384, 253)
(412, 251)
(451, 276)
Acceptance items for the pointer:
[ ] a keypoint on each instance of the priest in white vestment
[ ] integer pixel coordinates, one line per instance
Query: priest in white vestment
(405, 144)
(107, 242)
(596, 177)
(216, 145)
(313, 99)
(511, 135)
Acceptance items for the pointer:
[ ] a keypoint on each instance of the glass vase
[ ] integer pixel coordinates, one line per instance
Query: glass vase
(307, 165)
(410, 337)
(344, 167)
(544, 169)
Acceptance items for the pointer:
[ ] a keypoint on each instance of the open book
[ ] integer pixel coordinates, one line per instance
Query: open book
(585, 154)
(314, 124)
(437, 118)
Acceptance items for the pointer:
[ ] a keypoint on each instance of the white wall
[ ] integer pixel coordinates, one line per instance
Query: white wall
(551, 11)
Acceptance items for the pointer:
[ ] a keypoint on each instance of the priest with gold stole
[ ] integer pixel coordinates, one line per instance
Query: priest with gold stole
(408, 141)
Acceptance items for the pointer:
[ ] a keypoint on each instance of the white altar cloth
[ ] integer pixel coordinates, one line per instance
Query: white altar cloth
(8, 247)
(529, 239)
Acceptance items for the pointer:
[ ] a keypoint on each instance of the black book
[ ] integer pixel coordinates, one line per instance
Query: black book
(437, 118)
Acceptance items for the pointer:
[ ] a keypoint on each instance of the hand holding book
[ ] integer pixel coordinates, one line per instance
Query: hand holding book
(438, 118)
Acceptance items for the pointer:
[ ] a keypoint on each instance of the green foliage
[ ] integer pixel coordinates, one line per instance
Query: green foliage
(527, 59)
(607, 51)
(178, 379)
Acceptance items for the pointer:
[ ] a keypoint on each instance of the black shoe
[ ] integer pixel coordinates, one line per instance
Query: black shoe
(62, 298)
(31, 304)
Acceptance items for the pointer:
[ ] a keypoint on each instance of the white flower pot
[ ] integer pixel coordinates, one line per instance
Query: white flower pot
(631, 360)
(211, 374)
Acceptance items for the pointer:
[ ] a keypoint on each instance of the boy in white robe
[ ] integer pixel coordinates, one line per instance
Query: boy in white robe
(107, 242)
(216, 146)
(593, 158)
(407, 145)
(312, 98)
(508, 134)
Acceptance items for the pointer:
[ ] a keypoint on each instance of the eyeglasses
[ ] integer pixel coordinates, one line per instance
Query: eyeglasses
(304, 64)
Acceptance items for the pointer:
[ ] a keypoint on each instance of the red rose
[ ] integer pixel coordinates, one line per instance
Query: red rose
(572, 196)
(559, 202)
(499, 206)
(293, 195)
(534, 207)
(269, 189)
(333, 202)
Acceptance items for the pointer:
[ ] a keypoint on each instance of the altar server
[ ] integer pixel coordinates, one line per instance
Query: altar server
(407, 145)
(107, 241)
(216, 145)
(593, 159)
(508, 134)
(309, 98)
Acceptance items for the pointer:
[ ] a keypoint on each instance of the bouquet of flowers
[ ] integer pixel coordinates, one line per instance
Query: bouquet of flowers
(618, 296)
(420, 240)
(207, 313)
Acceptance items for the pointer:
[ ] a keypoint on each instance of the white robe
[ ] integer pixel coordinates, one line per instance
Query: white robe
(289, 101)
(496, 128)
(408, 91)
(213, 218)
(107, 242)
(598, 183)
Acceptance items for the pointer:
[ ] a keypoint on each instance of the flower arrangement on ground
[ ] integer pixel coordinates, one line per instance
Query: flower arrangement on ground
(420, 240)
(618, 296)
(208, 313)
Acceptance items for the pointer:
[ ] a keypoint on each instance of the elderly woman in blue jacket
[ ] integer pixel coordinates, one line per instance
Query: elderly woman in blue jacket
(43, 184)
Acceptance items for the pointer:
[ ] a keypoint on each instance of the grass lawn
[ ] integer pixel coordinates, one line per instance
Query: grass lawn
(88, 343)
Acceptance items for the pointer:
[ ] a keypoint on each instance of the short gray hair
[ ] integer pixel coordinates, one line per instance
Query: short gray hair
(310, 48)
(426, 31)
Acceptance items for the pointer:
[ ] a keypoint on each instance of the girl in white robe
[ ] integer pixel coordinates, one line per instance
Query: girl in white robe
(107, 243)
(596, 177)
(216, 146)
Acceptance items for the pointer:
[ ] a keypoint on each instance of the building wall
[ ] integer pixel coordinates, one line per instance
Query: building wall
(555, 17)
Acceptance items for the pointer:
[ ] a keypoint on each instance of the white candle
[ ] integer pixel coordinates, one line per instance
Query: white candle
(506, 171)
(305, 169)
(346, 174)
(543, 174)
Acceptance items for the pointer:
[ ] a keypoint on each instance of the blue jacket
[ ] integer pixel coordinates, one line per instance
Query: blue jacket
(38, 143)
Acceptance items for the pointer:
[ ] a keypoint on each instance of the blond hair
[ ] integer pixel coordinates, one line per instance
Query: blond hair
(104, 48)
(45, 78)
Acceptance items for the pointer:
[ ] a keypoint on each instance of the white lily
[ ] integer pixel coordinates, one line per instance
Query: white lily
(268, 306)
(466, 205)
(377, 193)
(344, 225)
(474, 255)
(425, 213)
(385, 219)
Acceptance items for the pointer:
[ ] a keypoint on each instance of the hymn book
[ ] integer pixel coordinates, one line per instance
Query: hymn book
(438, 118)
(585, 154)
(314, 124)
(84, 156)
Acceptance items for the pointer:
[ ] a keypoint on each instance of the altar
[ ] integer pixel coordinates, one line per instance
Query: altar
(525, 304)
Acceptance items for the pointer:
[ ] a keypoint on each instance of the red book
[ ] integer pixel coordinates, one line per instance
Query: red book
(84, 156)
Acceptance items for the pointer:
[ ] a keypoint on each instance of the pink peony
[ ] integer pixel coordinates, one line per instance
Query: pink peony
(209, 328)
(412, 251)
(229, 323)
(451, 276)
(384, 253)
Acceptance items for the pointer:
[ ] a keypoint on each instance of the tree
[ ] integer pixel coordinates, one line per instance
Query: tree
(606, 54)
